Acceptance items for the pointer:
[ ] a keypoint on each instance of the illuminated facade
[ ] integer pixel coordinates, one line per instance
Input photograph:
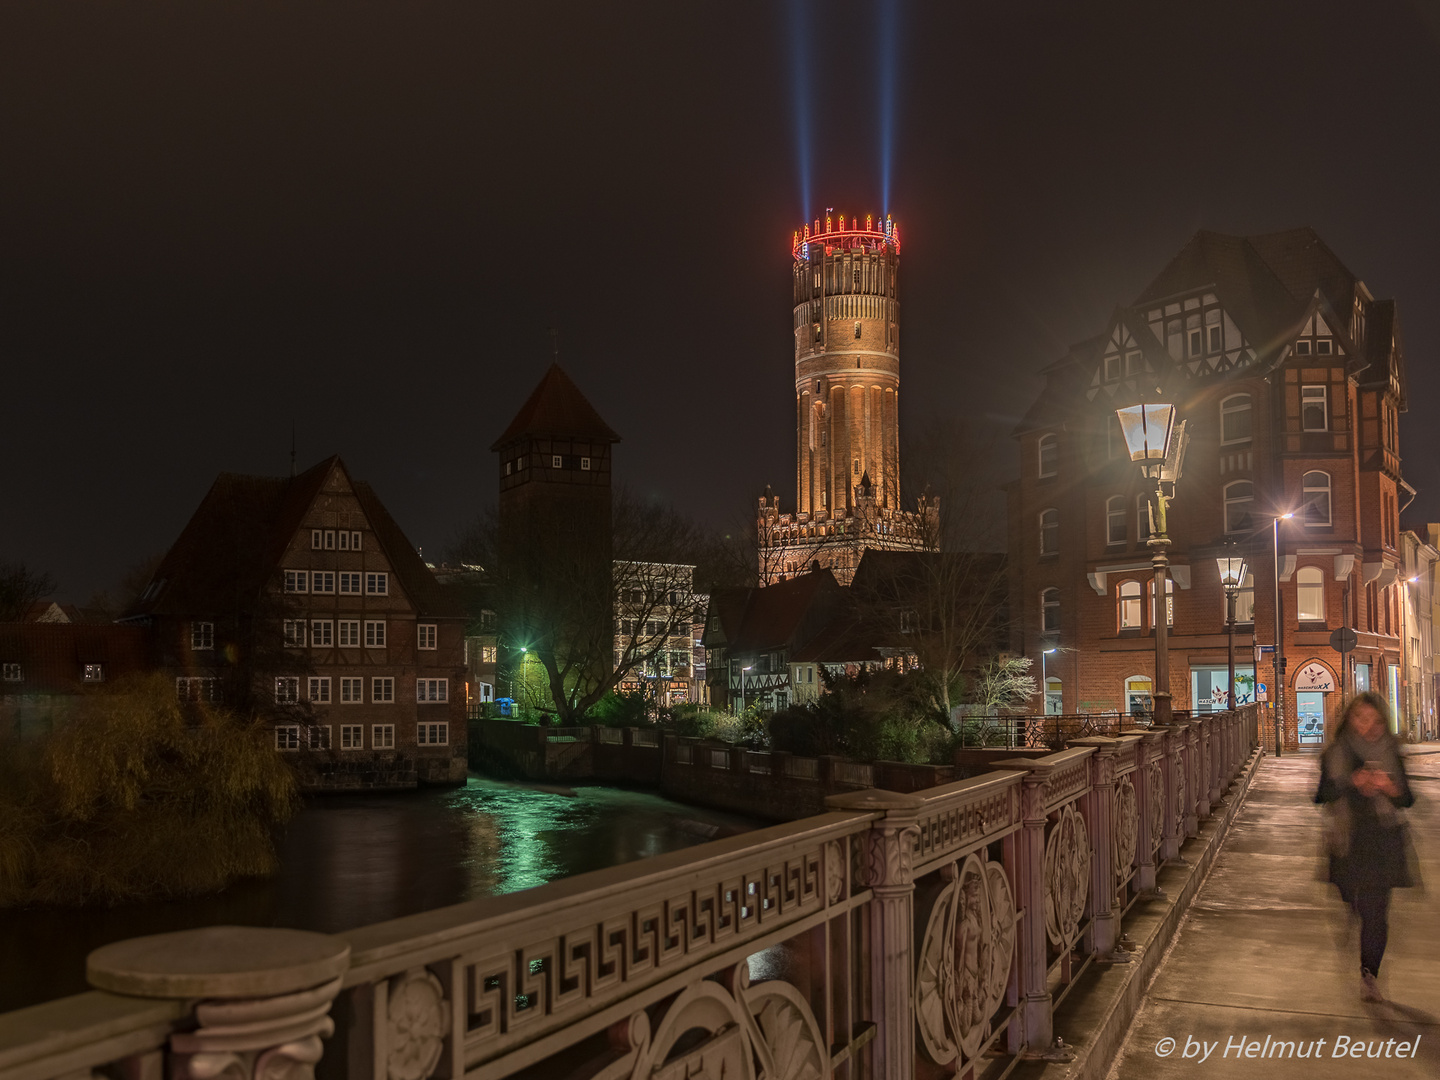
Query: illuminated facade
(847, 405)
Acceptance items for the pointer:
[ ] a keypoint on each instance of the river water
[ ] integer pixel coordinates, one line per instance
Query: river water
(351, 860)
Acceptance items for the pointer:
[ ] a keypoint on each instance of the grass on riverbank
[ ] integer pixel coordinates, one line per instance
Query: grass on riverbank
(139, 798)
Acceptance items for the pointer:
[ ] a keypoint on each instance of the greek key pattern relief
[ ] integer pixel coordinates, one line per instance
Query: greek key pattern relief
(1067, 877)
(951, 828)
(515, 991)
(964, 962)
(1126, 825)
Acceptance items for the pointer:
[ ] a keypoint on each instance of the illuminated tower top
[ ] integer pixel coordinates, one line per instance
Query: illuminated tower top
(871, 236)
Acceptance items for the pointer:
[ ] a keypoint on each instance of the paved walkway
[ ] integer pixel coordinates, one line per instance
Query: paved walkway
(1267, 951)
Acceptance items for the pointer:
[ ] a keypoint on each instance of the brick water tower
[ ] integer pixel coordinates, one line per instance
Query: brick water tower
(847, 404)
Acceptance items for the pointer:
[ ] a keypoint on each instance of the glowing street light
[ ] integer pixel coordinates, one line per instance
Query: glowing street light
(1148, 431)
(742, 685)
(1232, 576)
(1279, 653)
(1045, 682)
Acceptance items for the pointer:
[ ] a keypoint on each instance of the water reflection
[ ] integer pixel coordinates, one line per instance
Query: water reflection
(350, 860)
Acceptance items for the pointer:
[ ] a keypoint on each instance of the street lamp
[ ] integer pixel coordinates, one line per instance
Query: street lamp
(1148, 430)
(1045, 682)
(742, 685)
(1232, 576)
(1279, 654)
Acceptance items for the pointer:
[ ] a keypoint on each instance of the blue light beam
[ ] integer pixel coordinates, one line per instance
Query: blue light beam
(800, 88)
(888, 40)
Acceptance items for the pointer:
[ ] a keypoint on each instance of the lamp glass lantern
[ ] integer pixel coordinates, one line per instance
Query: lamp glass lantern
(1147, 430)
(1232, 570)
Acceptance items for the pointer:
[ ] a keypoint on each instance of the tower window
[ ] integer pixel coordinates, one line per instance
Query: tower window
(557, 462)
(857, 329)
(855, 468)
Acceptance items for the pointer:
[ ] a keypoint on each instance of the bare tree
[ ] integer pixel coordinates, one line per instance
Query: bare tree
(19, 588)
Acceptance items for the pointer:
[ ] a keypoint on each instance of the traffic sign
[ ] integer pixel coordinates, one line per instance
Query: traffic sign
(1344, 640)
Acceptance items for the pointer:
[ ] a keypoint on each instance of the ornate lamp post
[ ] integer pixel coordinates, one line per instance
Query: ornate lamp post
(1279, 654)
(1045, 682)
(1232, 576)
(1147, 430)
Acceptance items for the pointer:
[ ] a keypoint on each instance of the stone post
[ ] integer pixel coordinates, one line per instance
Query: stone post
(1036, 1010)
(262, 996)
(1189, 760)
(1174, 774)
(889, 872)
(1203, 749)
(1098, 808)
(1148, 796)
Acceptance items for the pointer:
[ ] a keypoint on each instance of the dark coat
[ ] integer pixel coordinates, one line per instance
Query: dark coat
(1379, 852)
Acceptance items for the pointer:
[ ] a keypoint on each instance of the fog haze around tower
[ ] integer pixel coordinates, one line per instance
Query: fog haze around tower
(224, 223)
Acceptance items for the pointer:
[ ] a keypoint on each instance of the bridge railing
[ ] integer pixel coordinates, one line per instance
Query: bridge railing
(944, 924)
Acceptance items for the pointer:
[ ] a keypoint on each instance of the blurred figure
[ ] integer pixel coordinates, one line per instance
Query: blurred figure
(1363, 784)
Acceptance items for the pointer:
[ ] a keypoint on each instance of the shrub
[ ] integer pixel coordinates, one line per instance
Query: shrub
(138, 798)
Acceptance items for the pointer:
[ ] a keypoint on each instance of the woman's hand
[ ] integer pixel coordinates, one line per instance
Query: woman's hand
(1372, 782)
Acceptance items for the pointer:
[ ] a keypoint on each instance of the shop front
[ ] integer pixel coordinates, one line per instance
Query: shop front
(1314, 683)
(1210, 684)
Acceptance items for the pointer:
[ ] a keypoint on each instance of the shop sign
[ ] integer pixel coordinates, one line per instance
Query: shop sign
(1315, 677)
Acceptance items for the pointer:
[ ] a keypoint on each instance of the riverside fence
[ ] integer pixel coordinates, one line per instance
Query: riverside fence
(894, 935)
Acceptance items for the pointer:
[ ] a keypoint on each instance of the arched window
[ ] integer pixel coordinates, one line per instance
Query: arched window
(1049, 531)
(1050, 611)
(1115, 529)
(1169, 601)
(1235, 418)
(1239, 497)
(1138, 697)
(1049, 448)
(1316, 499)
(1129, 605)
(1310, 594)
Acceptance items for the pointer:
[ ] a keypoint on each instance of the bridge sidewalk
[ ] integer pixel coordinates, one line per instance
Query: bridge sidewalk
(1267, 951)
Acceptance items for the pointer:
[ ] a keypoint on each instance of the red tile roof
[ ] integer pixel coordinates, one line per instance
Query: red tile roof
(556, 409)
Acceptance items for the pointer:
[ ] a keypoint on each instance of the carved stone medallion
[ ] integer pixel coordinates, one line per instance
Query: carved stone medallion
(1157, 804)
(835, 871)
(1126, 824)
(964, 962)
(1067, 876)
(418, 1021)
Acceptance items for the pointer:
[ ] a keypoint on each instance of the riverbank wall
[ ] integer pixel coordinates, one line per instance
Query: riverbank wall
(775, 786)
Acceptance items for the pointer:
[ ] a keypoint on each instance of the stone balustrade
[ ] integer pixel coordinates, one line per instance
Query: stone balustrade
(894, 935)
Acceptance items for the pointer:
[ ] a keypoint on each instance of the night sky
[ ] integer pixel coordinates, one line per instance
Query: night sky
(220, 220)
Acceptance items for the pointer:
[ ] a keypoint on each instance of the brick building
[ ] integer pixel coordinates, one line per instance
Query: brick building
(301, 598)
(1290, 378)
(847, 409)
(45, 665)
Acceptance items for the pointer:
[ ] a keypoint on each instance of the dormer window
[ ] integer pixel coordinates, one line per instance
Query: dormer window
(1215, 338)
(1302, 348)
(1134, 363)
(1322, 346)
(1112, 368)
(1196, 343)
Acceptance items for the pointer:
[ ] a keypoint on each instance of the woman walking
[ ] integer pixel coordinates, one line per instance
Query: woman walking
(1363, 784)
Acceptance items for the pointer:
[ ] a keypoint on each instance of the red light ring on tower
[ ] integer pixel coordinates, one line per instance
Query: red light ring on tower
(865, 239)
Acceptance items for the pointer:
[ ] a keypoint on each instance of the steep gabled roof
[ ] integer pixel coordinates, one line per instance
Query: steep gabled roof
(417, 580)
(556, 409)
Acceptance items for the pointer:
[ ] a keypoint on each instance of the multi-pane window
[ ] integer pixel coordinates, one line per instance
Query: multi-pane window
(1316, 498)
(202, 636)
(349, 582)
(1239, 501)
(1115, 520)
(287, 689)
(1313, 415)
(319, 736)
(349, 541)
(426, 635)
(297, 581)
(1050, 611)
(287, 737)
(322, 539)
(432, 689)
(322, 633)
(352, 691)
(1310, 594)
(93, 673)
(584, 464)
(382, 689)
(1049, 532)
(382, 736)
(1049, 451)
(294, 633)
(432, 734)
(377, 584)
(320, 689)
(197, 688)
(1235, 418)
(374, 634)
(352, 737)
(322, 581)
(487, 654)
(1129, 602)
(349, 633)
(12, 673)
